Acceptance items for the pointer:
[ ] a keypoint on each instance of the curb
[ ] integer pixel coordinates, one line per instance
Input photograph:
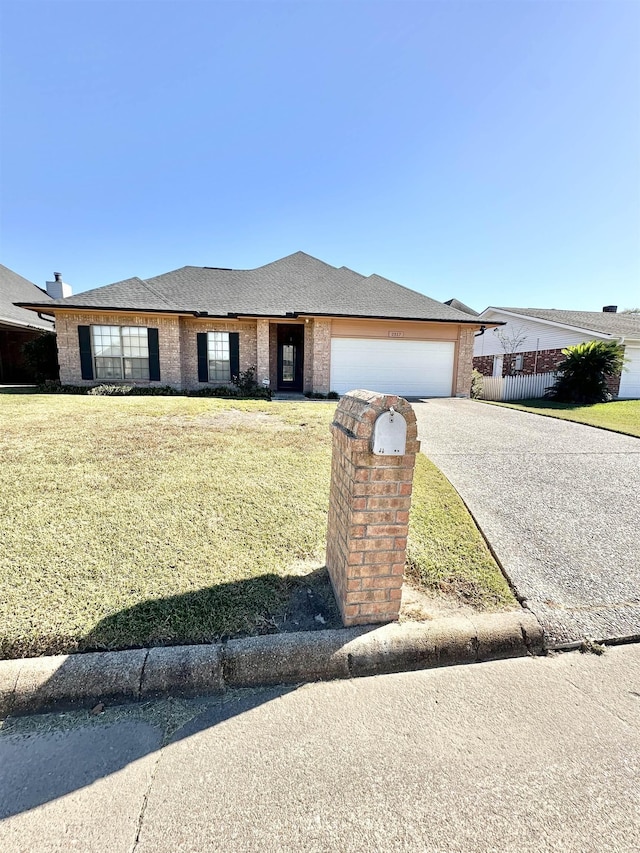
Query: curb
(63, 682)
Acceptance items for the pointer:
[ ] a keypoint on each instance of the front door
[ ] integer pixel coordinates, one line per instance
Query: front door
(290, 357)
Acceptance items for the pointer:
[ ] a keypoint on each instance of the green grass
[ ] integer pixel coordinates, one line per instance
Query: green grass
(151, 520)
(619, 416)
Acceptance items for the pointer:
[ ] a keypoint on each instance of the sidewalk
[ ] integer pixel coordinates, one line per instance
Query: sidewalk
(529, 754)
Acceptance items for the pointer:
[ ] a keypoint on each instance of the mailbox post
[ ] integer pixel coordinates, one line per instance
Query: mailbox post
(374, 450)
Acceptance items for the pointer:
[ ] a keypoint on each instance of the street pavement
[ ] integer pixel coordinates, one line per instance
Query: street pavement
(530, 754)
(559, 503)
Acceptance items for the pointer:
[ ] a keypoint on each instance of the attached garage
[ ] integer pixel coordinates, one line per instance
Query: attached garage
(407, 368)
(630, 379)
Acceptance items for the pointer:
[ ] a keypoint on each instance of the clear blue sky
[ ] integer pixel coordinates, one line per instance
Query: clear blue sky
(484, 150)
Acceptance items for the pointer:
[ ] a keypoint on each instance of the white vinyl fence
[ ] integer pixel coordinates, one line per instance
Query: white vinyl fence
(520, 387)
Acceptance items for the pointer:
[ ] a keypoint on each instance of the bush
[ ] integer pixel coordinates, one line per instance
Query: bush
(41, 357)
(110, 390)
(55, 387)
(247, 385)
(476, 385)
(333, 395)
(584, 372)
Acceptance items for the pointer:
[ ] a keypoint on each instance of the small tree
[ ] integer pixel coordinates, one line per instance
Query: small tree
(585, 370)
(511, 340)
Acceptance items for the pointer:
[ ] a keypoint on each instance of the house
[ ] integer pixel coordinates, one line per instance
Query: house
(532, 340)
(303, 324)
(19, 326)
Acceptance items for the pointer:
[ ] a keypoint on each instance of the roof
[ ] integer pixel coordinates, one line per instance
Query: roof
(602, 322)
(14, 288)
(296, 284)
(460, 306)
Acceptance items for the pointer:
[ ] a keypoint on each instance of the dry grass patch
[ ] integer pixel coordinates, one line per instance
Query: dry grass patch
(149, 520)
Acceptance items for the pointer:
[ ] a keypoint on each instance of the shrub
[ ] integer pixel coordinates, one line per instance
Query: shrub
(41, 357)
(476, 385)
(584, 372)
(333, 395)
(110, 390)
(55, 387)
(247, 385)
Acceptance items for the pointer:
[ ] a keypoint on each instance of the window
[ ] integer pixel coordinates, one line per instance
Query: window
(518, 362)
(120, 352)
(218, 356)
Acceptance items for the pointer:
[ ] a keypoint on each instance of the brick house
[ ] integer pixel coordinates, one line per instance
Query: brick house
(303, 324)
(535, 337)
(19, 326)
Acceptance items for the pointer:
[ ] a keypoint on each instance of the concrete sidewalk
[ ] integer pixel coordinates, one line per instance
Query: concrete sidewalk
(559, 504)
(532, 754)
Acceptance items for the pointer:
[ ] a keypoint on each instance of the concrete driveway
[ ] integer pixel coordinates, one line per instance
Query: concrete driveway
(560, 505)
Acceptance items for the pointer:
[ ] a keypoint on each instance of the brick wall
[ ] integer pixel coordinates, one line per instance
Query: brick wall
(321, 355)
(189, 328)
(69, 351)
(262, 350)
(368, 510)
(465, 362)
(308, 356)
(484, 364)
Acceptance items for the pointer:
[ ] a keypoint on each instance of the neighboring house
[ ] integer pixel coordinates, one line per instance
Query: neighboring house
(304, 325)
(18, 326)
(533, 339)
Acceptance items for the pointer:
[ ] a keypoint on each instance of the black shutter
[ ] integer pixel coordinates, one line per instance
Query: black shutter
(234, 353)
(203, 361)
(154, 355)
(86, 359)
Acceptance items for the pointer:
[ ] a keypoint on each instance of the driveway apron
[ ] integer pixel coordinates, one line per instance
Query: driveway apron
(558, 502)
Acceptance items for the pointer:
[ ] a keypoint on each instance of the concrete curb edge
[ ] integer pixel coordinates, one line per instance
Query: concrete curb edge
(39, 685)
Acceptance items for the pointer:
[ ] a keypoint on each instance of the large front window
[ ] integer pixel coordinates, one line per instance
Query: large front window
(218, 356)
(120, 352)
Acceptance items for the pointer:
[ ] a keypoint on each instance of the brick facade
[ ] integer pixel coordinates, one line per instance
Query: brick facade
(177, 339)
(368, 510)
(465, 358)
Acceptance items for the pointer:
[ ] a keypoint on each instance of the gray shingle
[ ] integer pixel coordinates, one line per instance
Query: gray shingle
(15, 288)
(297, 283)
(594, 321)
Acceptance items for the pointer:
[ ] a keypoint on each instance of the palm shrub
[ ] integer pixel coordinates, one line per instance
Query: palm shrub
(584, 372)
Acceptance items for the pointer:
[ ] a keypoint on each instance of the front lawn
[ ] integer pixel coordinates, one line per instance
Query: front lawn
(619, 416)
(150, 520)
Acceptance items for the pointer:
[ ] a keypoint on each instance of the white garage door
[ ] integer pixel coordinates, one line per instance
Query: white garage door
(408, 368)
(630, 379)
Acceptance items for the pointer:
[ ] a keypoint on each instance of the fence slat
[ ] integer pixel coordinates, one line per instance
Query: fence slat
(519, 387)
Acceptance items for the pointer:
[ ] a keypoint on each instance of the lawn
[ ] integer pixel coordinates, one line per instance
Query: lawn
(619, 416)
(156, 520)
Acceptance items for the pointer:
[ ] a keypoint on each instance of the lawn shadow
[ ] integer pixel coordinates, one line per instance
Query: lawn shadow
(47, 756)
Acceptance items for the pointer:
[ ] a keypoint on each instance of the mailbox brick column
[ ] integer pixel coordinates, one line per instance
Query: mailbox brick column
(368, 510)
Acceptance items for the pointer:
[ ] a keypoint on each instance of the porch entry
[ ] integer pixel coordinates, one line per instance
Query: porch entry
(290, 357)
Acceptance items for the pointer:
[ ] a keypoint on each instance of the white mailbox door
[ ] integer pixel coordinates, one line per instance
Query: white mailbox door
(389, 434)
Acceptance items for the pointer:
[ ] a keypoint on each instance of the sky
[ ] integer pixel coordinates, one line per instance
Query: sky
(488, 151)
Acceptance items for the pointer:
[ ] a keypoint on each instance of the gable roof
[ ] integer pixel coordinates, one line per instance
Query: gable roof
(460, 306)
(601, 322)
(296, 284)
(14, 288)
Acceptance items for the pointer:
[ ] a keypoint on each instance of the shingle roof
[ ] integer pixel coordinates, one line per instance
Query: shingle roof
(460, 306)
(596, 321)
(298, 284)
(14, 288)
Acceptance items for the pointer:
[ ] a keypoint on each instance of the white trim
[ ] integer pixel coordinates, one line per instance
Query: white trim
(605, 335)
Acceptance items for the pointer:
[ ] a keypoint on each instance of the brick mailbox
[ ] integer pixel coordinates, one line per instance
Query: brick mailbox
(374, 453)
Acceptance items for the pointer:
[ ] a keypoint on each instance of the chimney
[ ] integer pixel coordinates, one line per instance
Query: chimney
(58, 289)
(610, 309)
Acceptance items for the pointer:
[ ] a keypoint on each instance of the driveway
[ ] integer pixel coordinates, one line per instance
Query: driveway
(560, 505)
